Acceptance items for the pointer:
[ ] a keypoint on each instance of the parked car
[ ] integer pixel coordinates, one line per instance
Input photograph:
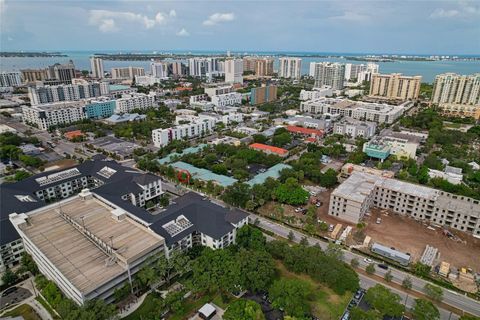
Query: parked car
(330, 228)
(318, 204)
(383, 266)
(367, 260)
(297, 210)
(379, 220)
(346, 315)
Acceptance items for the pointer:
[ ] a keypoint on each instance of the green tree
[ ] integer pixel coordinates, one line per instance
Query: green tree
(9, 277)
(433, 292)
(421, 269)
(28, 264)
(384, 301)
(358, 314)
(354, 263)
(249, 237)
(388, 276)
(370, 268)
(257, 268)
(243, 309)
(292, 295)
(407, 283)
(334, 251)
(291, 236)
(425, 310)
(291, 192)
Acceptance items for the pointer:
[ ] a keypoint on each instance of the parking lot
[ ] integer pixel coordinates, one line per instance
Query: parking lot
(17, 295)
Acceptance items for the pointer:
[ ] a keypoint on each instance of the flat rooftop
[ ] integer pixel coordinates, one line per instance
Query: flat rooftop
(357, 187)
(76, 256)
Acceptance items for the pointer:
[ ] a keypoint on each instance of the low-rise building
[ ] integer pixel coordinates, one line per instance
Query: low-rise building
(126, 117)
(246, 130)
(218, 90)
(460, 110)
(376, 112)
(269, 149)
(314, 133)
(226, 118)
(197, 128)
(355, 128)
(399, 144)
(316, 93)
(227, 99)
(451, 174)
(361, 191)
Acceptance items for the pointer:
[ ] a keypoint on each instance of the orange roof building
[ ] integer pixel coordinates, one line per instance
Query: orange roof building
(269, 149)
(305, 131)
(73, 134)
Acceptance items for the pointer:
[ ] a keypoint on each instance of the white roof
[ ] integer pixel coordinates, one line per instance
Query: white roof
(207, 310)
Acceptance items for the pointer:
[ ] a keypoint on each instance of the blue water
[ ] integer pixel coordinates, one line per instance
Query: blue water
(427, 69)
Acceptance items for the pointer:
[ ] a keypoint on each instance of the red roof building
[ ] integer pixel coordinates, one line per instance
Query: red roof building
(73, 134)
(305, 131)
(269, 149)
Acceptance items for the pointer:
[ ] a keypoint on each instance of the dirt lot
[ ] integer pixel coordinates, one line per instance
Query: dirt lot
(408, 235)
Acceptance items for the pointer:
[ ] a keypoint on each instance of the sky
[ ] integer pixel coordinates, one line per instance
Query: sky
(347, 26)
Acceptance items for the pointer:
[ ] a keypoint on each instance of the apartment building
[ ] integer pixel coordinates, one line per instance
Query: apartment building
(395, 86)
(225, 118)
(96, 67)
(361, 191)
(48, 115)
(227, 99)
(159, 69)
(33, 75)
(263, 94)
(147, 80)
(290, 68)
(57, 73)
(234, 71)
(361, 72)
(460, 110)
(218, 90)
(196, 128)
(203, 67)
(329, 74)
(10, 79)
(453, 88)
(100, 108)
(261, 66)
(355, 128)
(127, 73)
(129, 102)
(367, 111)
(34, 192)
(67, 92)
(316, 93)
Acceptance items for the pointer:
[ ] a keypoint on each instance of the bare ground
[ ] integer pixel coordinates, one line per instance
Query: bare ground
(407, 235)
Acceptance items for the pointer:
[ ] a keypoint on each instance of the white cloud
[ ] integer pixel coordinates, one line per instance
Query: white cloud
(351, 16)
(442, 13)
(108, 25)
(172, 13)
(218, 17)
(183, 33)
(3, 7)
(108, 21)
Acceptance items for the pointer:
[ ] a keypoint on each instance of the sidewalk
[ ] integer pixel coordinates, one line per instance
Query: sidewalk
(132, 307)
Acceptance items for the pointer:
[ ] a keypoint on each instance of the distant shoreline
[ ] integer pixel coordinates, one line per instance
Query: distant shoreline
(32, 54)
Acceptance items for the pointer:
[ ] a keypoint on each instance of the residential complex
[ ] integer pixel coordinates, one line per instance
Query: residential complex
(49, 115)
(44, 116)
(218, 90)
(355, 128)
(10, 79)
(234, 71)
(377, 112)
(329, 74)
(398, 144)
(93, 243)
(159, 69)
(96, 67)
(55, 74)
(290, 68)
(361, 191)
(262, 67)
(360, 72)
(263, 94)
(67, 92)
(316, 93)
(203, 67)
(457, 95)
(129, 102)
(196, 128)
(227, 99)
(127, 73)
(269, 149)
(395, 86)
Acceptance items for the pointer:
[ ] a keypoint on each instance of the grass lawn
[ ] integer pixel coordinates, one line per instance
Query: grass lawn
(325, 304)
(25, 311)
(149, 305)
(190, 306)
(47, 306)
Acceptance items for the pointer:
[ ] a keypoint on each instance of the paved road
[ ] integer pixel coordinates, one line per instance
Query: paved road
(449, 297)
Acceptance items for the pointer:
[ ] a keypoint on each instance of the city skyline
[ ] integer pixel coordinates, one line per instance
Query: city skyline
(306, 26)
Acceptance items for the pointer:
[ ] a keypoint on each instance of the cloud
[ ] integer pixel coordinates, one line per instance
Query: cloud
(351, 16)
(172, 13)
(107, 21)
(183, 33)
(442, 13)
(3, 7)
(218, 17)
(465, 9)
